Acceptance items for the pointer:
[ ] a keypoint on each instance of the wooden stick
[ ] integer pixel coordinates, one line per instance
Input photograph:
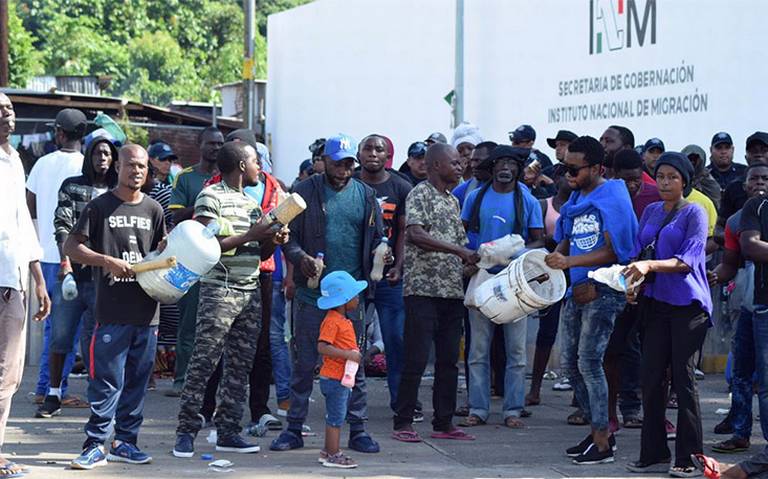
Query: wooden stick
(169, 262)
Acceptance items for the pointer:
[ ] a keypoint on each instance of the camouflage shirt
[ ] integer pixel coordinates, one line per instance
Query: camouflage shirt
(429, 273)
(236, 212)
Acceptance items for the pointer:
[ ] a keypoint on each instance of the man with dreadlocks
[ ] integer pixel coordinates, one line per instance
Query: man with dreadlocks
(501, 207)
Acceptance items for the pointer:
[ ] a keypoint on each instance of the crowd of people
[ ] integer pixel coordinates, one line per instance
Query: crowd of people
(666, 216)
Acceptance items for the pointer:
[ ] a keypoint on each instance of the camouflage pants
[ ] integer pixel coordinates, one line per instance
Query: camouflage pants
(228, 327)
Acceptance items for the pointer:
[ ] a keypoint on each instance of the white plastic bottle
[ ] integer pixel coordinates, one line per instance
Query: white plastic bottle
(610, 276)
(377, 273)
(69, 287)
(314, 281)
(350, 370)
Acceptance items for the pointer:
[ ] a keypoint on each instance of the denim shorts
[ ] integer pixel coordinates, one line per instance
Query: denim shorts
(336, 400)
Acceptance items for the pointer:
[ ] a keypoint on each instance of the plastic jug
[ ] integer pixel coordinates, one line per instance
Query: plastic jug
(377, 273)
(69, 288)
(610, 276)
(196, 250)
(314, 281)
(350, 370)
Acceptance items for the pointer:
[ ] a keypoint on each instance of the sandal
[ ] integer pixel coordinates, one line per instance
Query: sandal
(471, 421)
(731, 446)
(577, 418)
(74, 402)
(525, 413)
(406, 436)
(462, 411)
(684, 471)
(339, 461)
(707, 465)
(649, 467)
(513, 422)
(455, 434)
(11, 469)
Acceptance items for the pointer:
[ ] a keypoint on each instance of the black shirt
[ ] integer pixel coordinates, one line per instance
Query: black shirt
(733, 199)
(735, 173)
(754, 217)
(129, 232)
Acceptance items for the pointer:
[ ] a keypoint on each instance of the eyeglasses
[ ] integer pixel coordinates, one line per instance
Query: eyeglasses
(573, 171)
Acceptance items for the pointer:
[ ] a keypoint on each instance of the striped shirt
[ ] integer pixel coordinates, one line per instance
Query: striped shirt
(236, 212)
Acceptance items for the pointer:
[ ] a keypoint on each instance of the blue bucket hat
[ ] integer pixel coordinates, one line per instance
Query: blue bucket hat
(338, 288)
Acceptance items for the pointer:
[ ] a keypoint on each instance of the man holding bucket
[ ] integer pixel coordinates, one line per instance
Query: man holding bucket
(498, 209)
(597, 227)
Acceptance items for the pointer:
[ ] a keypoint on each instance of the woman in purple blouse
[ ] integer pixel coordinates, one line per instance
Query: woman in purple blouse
(676, 308)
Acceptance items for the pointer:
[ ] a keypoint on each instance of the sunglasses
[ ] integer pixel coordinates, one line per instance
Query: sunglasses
(573, 171)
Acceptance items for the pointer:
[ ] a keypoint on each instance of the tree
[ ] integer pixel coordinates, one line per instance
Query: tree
(24, 61)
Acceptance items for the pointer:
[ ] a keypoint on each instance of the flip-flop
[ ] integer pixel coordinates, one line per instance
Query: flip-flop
(455, 434)
(7, 470)
(406, 436)
(514, 423)
(74, 402)
(707, 465)
(270, 422)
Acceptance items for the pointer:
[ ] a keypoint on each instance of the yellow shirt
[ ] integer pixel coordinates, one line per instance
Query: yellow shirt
(700, 199)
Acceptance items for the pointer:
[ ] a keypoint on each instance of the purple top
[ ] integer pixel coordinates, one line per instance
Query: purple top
(684, 238)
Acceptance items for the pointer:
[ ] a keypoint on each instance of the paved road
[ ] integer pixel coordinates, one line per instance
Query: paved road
(537, 451)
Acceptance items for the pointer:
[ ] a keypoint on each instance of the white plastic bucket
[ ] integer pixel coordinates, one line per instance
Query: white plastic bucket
(196, 250)
(520, 289)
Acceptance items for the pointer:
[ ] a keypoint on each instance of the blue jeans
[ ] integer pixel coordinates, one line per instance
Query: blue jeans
(281, 358)
(122, 362)
(743, 350)
(586, 331)
(73, 321)
(480, 366)
(307, 320)
(53, 286)
(391, 310)
(336, 399)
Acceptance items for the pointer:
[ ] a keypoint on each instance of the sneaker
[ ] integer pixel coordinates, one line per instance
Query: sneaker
(671, 430)
(581, 447)
(185, 445)
(237, 444)
(92, 456)
(418, 416)
(593, 456)
(51, 407)
(562, 385)
(339, 461)
(127, 452)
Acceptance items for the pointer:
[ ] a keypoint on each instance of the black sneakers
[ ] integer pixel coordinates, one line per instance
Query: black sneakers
(593, 456)
(582, 447)
(51, 407)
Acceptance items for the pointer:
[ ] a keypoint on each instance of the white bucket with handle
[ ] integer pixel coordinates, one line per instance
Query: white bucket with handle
(191, 252)
(524, 287)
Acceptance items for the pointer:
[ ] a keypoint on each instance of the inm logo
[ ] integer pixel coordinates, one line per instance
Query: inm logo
(613, 22)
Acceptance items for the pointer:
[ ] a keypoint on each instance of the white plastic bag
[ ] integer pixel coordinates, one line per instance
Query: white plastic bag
(499, 251)
(476, 280)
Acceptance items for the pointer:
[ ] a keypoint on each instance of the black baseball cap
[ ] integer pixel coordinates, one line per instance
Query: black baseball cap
(721, 137)
(436, 137)
(306, 165)
(418, 149)
(562, 135)
(505, 151)
(71, 121)
(522, 133)
(162, 151)
(757, 137)
(654, 143)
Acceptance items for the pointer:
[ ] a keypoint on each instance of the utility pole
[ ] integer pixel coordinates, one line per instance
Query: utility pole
(249, 65)
(458, 99)
(4, 43)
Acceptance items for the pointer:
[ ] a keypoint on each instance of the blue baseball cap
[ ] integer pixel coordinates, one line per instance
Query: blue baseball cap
(161, 151)
(721, 137)
(340, 147)
(418, 149)
(654, 143)
(522, 133)
(338, 288)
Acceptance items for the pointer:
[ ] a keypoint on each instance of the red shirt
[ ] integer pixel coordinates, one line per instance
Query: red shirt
(337, 331)
(648, 180)
(648, 194)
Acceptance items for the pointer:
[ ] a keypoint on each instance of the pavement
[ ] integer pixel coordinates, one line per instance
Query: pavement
(47, 445)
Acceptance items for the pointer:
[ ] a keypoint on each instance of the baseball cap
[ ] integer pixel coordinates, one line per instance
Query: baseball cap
(242, 134)
(562, 135)
(522, 133)
(505, 151)
(161, 150)
(340, 147)
(418, 149)
(654, 143)
(757, 137)
(71, 120)
(721, 137)
(305, 165)
(436, 137)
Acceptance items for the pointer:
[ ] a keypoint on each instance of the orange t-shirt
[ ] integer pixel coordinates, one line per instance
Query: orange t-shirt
(337, 331)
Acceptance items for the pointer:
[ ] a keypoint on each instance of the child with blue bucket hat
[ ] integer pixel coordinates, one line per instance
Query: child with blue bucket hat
(337, 344)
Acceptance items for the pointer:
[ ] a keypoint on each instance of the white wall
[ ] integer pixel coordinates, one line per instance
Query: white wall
(358, 67)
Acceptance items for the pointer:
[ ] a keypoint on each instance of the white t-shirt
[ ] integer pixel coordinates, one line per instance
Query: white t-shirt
(44, 181)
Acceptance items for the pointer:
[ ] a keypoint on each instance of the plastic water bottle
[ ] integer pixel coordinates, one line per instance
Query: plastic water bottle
(314, 281)
(610, 276)
(350, 370)
(377, 273)
(69, 287)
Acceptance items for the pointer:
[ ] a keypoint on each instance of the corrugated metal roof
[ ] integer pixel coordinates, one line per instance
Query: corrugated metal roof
(86, 85)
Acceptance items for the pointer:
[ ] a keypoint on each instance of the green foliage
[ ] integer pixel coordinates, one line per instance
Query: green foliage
(154, 50)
